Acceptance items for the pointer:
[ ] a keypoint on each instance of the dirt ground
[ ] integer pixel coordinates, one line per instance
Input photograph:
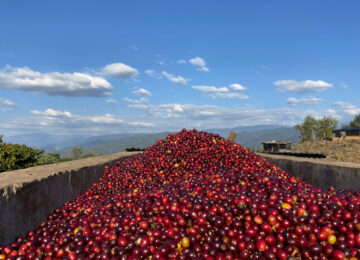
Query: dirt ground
(343, 150)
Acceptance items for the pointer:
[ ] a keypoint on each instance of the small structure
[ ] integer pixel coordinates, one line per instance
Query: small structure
(276, 146)
(347, 133)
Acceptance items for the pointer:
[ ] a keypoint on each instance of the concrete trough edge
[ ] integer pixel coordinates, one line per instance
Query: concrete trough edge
(320, 173)
(29, 196)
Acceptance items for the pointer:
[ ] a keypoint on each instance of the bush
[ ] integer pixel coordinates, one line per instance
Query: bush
(312, 129)
(49, 158)
(16, 156)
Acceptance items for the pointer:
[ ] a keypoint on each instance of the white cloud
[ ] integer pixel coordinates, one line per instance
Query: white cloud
(171, 77)
(6, 104)
(142, 92)
(162, 117)
(52, 113)
(177, 116)
(344, 85)
(181, 61)
(200, 63)
(237, 87)
(63, 121)
(119, 70)
(111, 101)
(160, 62)
(348, 108)
(175, 79)
(302, 86)
(153, 74)
(54, 83)
(303, 101)
(211, 89)
(222, 92)
(230, 95)
(136, 101)
(104, 119)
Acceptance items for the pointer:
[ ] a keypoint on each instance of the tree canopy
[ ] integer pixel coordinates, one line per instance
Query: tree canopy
(354, 123)
(17, 156)
(316, 129)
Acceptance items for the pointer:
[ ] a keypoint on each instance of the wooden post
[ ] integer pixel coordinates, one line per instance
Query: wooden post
(232, 136)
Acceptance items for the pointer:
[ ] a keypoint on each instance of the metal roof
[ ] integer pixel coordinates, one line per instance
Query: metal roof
(347, 129)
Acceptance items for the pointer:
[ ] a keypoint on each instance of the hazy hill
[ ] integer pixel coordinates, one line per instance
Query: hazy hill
(250, 139)
(225, 131)
(86, 142)
(253, 139)
(120, 144)
(250, 136)
(41, 140)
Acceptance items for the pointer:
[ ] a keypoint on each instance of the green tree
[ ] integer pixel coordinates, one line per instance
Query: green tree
(308, 129)
(326, 126)
(313, 129)
(49, 158)
(89, 154)
(16, 156)
(354, 123)
(77, 152)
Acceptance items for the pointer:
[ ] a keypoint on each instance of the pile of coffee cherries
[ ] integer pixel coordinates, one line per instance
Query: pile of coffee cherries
(196, 195)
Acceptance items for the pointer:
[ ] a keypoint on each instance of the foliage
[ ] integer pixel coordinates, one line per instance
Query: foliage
(49, 158)
(326, 126)
(77, 152)
(354, 123)
(312, 129)
(308, 128)
(16, 156)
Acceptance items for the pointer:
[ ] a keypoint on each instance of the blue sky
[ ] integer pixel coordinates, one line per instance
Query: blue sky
(99, 67)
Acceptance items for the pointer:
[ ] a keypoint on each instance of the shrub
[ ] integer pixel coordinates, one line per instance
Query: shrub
(17, 156)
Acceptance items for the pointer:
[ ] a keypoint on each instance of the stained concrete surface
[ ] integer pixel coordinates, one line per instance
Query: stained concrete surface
(320, 173)
(29, 196)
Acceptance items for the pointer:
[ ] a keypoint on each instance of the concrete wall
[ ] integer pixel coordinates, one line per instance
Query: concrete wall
(320, 173)
(29, 196)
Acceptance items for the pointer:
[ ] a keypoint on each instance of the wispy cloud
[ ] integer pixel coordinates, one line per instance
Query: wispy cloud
(348, 108)
(208, 116)
(142, 92)
(302, 86)
(54, 83)
(222, 92)
(6, 104)
(181, 61)
(111, 101)
(175, 79)
(137, 103)
(170, 77)
(211, 89)
(199, 63)
(303, 101)
(65, 119)
(153, 74)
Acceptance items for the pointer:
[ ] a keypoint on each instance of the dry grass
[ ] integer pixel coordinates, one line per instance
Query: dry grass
(344, 151)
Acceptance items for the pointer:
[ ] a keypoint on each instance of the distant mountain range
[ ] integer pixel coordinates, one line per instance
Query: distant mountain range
(249, 136)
